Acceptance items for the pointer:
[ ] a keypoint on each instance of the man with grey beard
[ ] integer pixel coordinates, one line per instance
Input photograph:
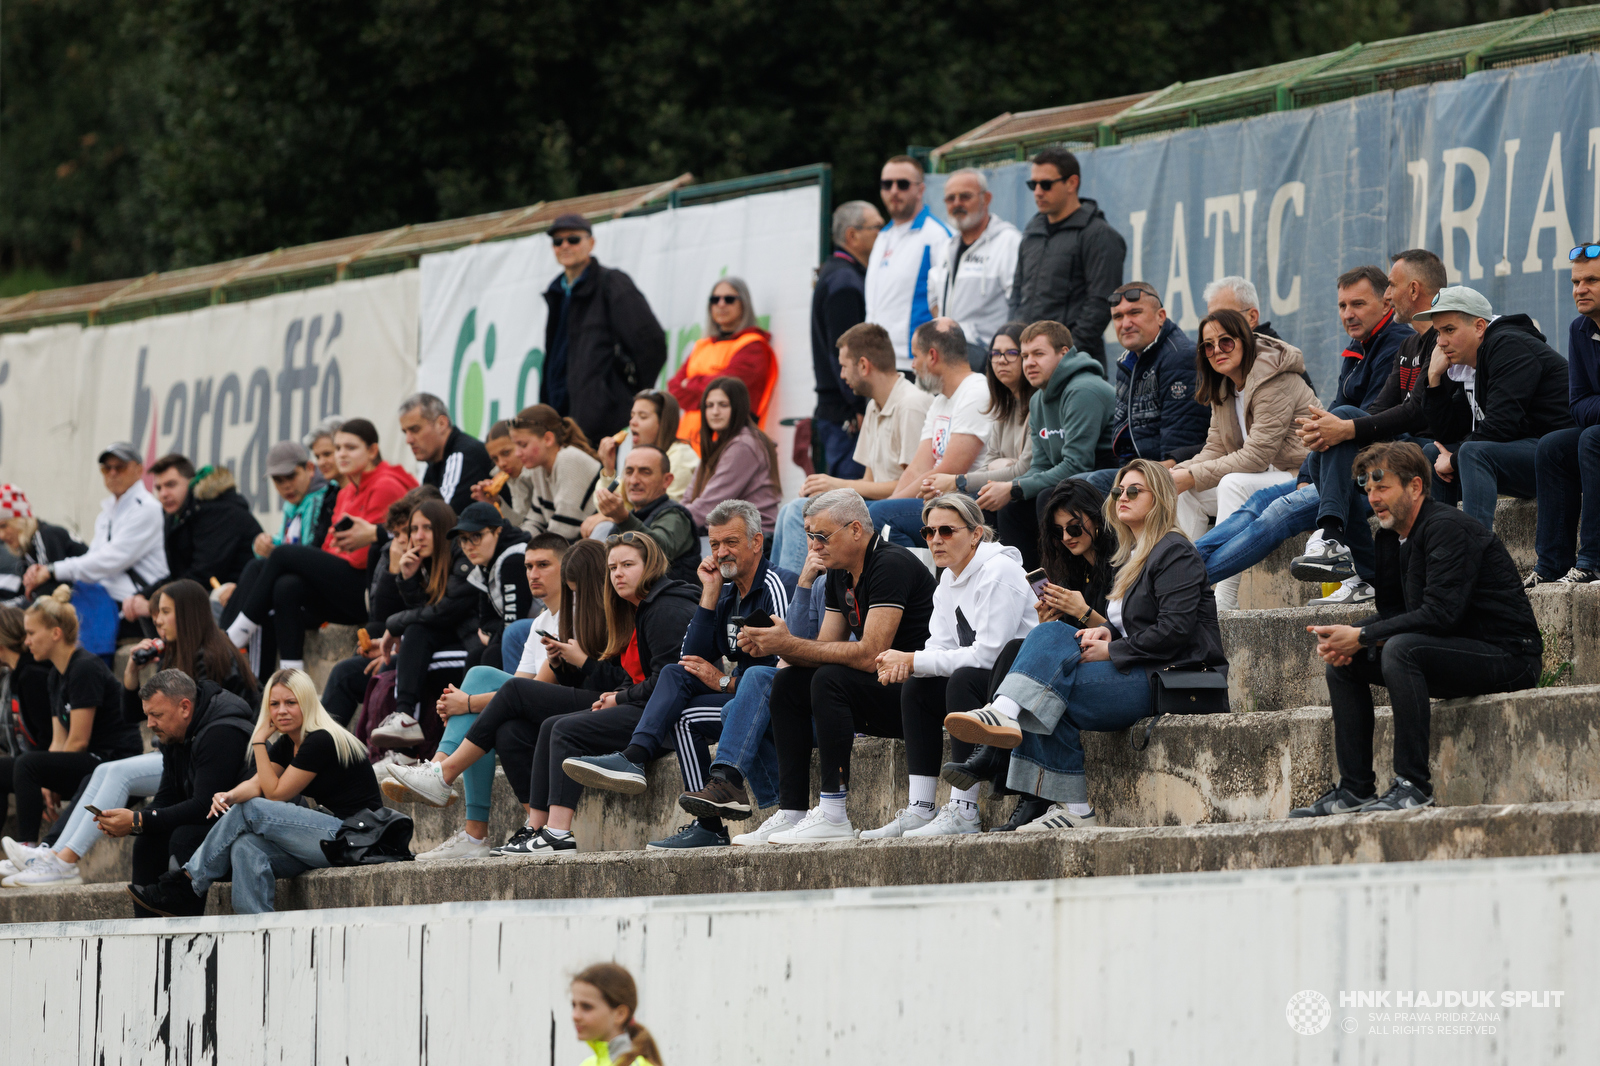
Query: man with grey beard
(973, 284)
(685, 709)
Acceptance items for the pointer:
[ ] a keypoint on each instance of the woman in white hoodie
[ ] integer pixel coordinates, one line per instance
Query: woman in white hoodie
(982, 603)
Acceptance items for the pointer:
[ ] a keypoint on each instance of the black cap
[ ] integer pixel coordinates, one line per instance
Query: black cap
(571, 221)
(476, 517)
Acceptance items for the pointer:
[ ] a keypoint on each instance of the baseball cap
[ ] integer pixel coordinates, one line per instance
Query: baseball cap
(476, 517)
(1467, 301)
(571, 221)
(121, 449)
(13, 504)
(285, 457)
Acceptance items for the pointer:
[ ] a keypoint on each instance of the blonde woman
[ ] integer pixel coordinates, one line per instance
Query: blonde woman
(1065, 679)
(32, 542)
(261, 834)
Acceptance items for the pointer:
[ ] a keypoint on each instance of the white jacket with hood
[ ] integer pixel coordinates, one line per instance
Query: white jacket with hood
(993, 597)
(978, 294)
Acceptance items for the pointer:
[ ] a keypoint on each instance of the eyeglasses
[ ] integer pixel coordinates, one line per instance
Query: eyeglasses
(1073, 529)
(1222, 346)
(571, 238)
(1133, 294)
(942, 532)
(1370, 477)
(820, 538)
(1043, 183)
(903, 184)
(1584, 251)
(1132, 492)
(1005, 355)
(729, 300)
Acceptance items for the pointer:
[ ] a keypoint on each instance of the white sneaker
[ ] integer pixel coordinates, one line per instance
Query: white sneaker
(763, 834)
(1351, 590)
(949, 822)
(21, 854)
(7, 868)
(380, 769)
(815, 828)
(986, 725)
(459, 846)
(397, 731)
(905, 821)
(425, 784)
(1058, 817)
(47, 869)
(1314, 542)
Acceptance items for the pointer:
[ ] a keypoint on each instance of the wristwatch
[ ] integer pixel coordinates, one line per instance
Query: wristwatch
(961, 483)
(727, 679)
(1083, 623)
(1361, 636)
(1016, 492)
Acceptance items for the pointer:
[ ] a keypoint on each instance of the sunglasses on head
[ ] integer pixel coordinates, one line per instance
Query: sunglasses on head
(1132, 295)
(1223, 345)
(1071, 529)
(718, 299)
(630, 537)
(1370, 477)
(903, 184)
(568, 238)
(1131, 492)
(851, 605)
(1043, 183)
(1005, 355)
(1584, 251)
(942, 532)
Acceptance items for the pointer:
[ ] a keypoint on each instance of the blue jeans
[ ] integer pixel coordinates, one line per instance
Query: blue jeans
(1101, 479)
(1061, 695)
(789, 535)
(110, 787)
(1253, 532)
(257, 842)
(904, 518)
(1485, 469)
(478, 779)
(837, 448)
(1568, 466)
(676, 691)
(746, 743)
(513, 639)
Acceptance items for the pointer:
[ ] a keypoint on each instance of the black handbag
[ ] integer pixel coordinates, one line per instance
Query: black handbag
(367, 838)
(1185, 688)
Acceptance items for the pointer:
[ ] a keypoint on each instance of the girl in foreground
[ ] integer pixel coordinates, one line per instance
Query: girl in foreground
(604, 999)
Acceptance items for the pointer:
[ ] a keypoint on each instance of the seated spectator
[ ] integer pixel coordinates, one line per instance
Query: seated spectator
(320, 444)
(1494, 388)
(973, 282)
(127, 555)
(28, 726)
(733, 346)
(737, 460)
(654, 421)
(560, 468)
(881, 595)
(519, 654)
(887, 442)
(955, 431)
(204, 737)
(507, 489)
(87, 727)
(1235, 293)
(32, 543)
(1452, 621)
(646, 507)
(210, 531)
(1568, 460)
(301, 586)
(261, 833)
(1255, 390)
(1066, 679)
(452, 461)
(496, 551)
(684, 710)
(646, 614)
(982, 604)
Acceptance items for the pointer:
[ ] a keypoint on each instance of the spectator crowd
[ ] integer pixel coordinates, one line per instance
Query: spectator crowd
(1006, 534)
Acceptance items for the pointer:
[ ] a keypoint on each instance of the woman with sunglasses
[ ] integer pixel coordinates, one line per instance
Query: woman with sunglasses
(733, 346)
(1255, 388)
(982, 603)
(737, 460)
(1067, 679)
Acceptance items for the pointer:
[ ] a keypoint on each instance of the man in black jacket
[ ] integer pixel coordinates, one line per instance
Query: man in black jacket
(452, 461)
(602, 342)
(210, 531)
(204, 733)
(838, 302)
(1070, 258)
(1453, 620)
(1494, 388)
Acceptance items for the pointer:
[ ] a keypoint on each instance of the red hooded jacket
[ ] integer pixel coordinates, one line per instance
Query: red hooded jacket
(368, 501)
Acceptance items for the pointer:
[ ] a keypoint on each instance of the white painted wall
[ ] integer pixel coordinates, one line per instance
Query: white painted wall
(1190, 969)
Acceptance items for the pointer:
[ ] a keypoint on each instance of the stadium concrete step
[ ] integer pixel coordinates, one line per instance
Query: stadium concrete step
(1493, 831)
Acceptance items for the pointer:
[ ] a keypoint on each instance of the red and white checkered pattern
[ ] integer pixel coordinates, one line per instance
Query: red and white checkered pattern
(13, 504)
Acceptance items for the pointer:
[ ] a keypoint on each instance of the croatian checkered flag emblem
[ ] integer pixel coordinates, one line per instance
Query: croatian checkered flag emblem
(1309, 1012)
(13, 504)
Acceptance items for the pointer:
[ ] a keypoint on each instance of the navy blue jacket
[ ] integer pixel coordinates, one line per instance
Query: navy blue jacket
(1157, 417)
(1583, 371)
(711, 636)
(838, 302)
(1364, 370)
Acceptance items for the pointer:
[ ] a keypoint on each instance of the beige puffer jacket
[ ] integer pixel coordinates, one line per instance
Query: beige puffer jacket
(1274, 396)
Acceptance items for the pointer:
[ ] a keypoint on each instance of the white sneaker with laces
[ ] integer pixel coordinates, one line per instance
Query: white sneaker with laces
(380, 769)
(949, 822)
(399, 730)
(21, 854)
(459, 846)
(815, 828)
(47, 869)
(905, 820)
(762, 834)
(7, 868)
(425, 783)
(1351, 590)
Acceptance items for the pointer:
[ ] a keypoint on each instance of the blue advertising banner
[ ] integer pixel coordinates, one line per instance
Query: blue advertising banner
(1498, 173)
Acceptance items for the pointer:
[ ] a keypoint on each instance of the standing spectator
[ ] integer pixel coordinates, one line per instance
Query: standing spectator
(1568, 460)
(127, 555)
(1494, 388)
(738, 461)
(973, 284)
(838, 302)
(452, 461)
(733, 346)
(646, 477)
(1070, 258)
(602, 342)
(560, 468)
(31, 542)
(904, 257)
(210, 532)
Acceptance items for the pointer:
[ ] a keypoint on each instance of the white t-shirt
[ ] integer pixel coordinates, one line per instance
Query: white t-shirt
(533, 654)
(903, 257)
(1468, 376)
(1114, 614)
(1238, 412)
(960, 412)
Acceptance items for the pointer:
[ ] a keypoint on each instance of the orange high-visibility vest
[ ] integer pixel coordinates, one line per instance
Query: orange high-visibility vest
(711, 358)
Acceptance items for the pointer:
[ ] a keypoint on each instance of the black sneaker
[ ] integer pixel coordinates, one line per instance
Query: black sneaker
(693, 835)
(719, 799)
(1578, 576)
(172, 896)
(984, 764)
(1028, 808)
(1337, 800)
(1402, 796)
(523, 834)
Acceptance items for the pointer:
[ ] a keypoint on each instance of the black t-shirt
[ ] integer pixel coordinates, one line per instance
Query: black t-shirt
(87, 682)
(343, 790)
(890, 577)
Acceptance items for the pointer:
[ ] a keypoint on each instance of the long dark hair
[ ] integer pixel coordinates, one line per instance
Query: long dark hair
(1210, 387)
(199, 641)
(437, 514)
(1005, 405)
(712, 444)
(583, 613)
(668, 414)
(1084, 502)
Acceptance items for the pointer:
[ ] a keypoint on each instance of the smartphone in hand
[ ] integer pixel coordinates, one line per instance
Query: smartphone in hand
(92, 809)
(1037, 580)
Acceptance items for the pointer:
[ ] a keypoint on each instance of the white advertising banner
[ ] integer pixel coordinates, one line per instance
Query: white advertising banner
(483, 308)
(221, 385)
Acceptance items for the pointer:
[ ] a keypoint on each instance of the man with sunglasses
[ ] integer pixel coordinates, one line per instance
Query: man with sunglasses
(1452, 621)
(974, 285)
(904, 256)
(602, 342)
(1568, 460)
(1070, 257)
